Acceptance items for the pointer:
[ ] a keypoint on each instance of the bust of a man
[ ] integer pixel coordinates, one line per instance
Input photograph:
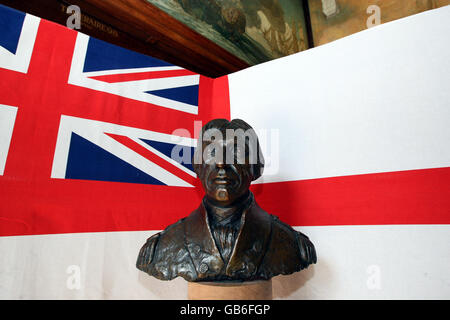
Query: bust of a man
(228, 237)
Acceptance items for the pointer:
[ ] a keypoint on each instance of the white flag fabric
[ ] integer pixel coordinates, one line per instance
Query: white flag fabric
(370, 111)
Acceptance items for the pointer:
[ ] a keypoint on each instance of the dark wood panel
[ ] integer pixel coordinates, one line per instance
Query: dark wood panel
(142, 27)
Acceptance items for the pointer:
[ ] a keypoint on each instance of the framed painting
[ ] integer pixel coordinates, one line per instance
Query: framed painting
(334, 19)
(255, 31)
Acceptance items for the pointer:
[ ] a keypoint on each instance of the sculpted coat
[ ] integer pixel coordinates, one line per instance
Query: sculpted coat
(265, 247)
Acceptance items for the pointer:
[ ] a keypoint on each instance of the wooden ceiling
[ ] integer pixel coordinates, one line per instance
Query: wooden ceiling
(140, 26)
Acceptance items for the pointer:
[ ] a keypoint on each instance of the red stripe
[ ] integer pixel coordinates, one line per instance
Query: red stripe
(221, 96)
(153, 158)
(404, 197)
(214, 97)
(69, 206)
(112, 78)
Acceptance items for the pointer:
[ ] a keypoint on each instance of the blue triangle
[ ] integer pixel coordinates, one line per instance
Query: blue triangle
(166, 149)
(101, 55)
(11, 22)
(187, 94)
(87, 161)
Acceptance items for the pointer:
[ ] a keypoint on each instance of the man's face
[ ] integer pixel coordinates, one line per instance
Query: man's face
(224, 181)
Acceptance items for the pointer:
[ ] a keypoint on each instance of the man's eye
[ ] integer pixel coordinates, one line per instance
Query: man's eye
(210, 156)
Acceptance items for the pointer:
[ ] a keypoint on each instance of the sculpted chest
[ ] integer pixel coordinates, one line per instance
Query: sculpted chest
(187, 249)
(246, 254)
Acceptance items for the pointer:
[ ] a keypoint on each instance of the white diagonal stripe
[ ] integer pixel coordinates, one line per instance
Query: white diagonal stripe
(131, 91)
(94, 131)
(132, 70)
(7, 120)
(21, 60)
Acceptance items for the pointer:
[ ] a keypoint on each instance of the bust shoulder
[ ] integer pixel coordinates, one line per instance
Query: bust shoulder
(283, 236)
(165, 256)
(307, 250)
(147, 252)
(304, 246)
(288, 250)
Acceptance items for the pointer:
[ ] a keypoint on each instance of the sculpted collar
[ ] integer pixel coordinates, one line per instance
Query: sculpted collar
(227, 215)
(252, 239)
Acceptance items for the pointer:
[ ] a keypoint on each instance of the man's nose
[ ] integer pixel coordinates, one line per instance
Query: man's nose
(221, 167)
(220, 164)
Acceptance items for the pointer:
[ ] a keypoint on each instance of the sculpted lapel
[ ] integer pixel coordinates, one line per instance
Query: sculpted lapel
(248, 251)
(250, 244)
(201, 246)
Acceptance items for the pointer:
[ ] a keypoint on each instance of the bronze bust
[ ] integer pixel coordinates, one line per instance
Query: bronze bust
(228, 237)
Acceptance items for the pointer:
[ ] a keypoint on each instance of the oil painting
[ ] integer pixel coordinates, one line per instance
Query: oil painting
(255, 31)
(334, 19)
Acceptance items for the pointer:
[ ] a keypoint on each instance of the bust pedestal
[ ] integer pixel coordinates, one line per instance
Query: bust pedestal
(254, 290)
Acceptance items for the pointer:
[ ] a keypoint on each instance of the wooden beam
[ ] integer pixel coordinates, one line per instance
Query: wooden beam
(140, 26)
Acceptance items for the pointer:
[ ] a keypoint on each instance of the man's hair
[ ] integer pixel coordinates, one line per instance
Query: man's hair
(223, 125)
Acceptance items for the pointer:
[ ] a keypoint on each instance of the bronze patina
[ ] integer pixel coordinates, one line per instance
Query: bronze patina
(228, 237)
